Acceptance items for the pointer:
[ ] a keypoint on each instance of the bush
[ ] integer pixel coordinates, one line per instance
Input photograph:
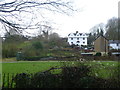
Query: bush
(37, 45)
(34, 58)
(33, 48)
(9, 50)
(109, 53)
(37, 58)
(71, 77)
(98, 54)
(10, 45)
(22, 80)
(45, 80)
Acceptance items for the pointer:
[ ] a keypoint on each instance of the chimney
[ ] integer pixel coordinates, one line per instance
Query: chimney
(76, 31)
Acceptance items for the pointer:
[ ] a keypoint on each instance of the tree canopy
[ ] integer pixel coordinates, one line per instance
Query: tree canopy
(112, 29)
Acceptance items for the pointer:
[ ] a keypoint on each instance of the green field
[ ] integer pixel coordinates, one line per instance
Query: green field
(27, 67)
(100, 69)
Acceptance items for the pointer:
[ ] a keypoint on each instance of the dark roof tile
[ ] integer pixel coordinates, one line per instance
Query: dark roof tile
(114, 41)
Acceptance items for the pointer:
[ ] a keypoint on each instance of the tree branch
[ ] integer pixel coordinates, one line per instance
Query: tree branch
(14, 8)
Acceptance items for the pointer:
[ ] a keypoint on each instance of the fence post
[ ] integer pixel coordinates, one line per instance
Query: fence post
(11, 84)
(8, 80)
(3, 80)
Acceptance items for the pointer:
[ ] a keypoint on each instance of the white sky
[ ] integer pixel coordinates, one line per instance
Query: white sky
(92, 12)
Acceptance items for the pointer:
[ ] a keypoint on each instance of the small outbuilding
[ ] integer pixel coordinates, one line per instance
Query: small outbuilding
(101, 44)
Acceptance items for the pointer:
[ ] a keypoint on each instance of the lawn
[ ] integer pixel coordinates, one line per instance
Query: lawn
(104, 69)
(27, 67)
(100, 69)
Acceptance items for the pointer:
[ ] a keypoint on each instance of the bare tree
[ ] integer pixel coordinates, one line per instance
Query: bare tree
(21, 14)
(112, 29)
(97, 29)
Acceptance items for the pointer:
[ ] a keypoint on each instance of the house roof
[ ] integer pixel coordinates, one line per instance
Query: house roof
(77, 33)
(101, 36)
(114, 41)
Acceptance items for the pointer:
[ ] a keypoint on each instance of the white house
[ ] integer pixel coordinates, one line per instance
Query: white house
(114, 44)
(77, 38)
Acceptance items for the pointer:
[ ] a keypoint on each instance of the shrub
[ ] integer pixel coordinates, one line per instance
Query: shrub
(33, 58)
(9, 50)
(70, 77)
(22, 80)
(45, 80)
(10, 45)
(98, 54)
(114, 80)
(37, 45)
(109, 54)
(33, 48)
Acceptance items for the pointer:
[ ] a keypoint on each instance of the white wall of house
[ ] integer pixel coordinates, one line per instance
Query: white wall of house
(115, 45)
(77, 38)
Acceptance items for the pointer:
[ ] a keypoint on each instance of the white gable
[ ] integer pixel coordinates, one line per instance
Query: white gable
(70, 35)
(77, 34)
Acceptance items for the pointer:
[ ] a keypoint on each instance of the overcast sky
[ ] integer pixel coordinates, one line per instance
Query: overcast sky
(92, 12)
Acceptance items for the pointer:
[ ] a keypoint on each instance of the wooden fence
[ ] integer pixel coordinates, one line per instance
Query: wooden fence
(7, 80)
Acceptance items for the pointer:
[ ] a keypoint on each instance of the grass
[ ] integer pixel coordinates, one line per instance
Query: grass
(104, 69)
(27, 67)
(100, 69)
(13, 68)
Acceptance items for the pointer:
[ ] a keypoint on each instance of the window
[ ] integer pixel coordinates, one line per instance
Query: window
(117, 44)
(83, 42)
(78, 41)
(77, 38)
(83, 38)
(71, 42)
(71, 38)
